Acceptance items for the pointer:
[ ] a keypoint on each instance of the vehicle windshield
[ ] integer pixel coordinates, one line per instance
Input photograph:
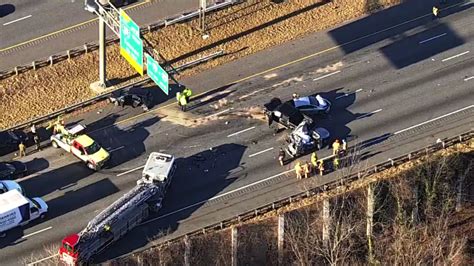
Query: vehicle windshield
(93, 148)
(36, 204)
(68, 248)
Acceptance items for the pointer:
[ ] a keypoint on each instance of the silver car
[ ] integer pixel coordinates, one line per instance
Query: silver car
(311, 104)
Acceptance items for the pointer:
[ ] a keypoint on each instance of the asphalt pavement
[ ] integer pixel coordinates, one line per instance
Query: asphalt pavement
(38, 29)
(383, 100)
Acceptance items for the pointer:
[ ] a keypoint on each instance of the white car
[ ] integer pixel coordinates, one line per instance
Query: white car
(311, 104)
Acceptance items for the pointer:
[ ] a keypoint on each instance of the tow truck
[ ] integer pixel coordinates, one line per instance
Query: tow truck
(123, 215)
(81, 146)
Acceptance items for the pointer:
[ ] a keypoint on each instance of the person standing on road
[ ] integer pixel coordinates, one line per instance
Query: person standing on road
(281, 157)
(22, 149)
(321, 167)
(37, 142)
(335, 147)
(298, 170)
(187, 93)
(33, 129)
(306, 169)
(314, 161)
(435, 12)
(183, 102)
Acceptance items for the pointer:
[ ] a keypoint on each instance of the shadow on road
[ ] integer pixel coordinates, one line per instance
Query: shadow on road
(407, 26)
(207, 173)
(6, 10)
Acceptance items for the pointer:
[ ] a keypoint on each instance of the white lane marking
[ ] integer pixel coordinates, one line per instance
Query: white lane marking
(218, 113)
(454, 56)
(327, 75)
(434, 119)
(250, 94)
(41, 260)
(242, 131)
(132, 170)
(226, 193)
(347, 94)
(37, 232)
(260, 152)
(432, 38)
(369, 114)
(16, 20)
(118, 148)
(469, 78)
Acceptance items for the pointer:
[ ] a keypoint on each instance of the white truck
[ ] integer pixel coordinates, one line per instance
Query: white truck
(124, 214)
(17, 210)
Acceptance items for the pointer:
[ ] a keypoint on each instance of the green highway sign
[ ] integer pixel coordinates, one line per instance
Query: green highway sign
(131, 46)
(157, 73)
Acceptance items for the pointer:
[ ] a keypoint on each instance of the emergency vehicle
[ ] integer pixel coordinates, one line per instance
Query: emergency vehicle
(81, 146)
(124, 214)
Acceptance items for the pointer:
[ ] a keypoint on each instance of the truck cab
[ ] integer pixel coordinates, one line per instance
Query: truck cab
(67, 252)
(7, 185)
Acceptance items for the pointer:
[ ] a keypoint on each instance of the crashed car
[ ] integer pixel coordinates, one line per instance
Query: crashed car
(311, 104)
(9, 140)
(133, 97)
(305, 139)
(13, 169)
(285, 114)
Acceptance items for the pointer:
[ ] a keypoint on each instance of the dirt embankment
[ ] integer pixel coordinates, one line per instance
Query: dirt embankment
(240, 30)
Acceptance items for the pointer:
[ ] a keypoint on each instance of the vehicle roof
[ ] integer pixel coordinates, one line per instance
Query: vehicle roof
(158, 165)
(301, 101)
(85, 140)
(71, 239)
(11, 199)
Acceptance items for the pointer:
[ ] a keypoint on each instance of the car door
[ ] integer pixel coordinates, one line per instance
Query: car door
(34, 212)
(78, 150)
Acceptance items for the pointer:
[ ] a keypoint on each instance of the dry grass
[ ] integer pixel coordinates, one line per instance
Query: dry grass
(236, 30)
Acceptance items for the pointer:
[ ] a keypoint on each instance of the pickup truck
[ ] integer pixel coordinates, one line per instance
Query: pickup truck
(81, 146)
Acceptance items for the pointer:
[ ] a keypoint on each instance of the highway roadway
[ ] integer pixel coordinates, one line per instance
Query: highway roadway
(381, 97)
(38, 29)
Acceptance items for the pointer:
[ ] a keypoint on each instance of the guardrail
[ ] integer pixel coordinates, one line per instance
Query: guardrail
(94, 46)
(314, 191)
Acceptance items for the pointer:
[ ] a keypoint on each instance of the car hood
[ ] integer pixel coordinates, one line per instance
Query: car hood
(100, 156)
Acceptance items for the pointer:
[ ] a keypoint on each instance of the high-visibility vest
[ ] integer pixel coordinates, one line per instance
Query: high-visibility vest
(314, 159)
(335, 146)
(188, 92)
(182, 100)
(178, 96)
(298, 167)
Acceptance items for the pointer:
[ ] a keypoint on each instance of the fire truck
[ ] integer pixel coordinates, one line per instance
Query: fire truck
(124, 214)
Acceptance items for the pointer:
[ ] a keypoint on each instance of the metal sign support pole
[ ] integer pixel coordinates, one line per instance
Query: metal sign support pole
(102, 53)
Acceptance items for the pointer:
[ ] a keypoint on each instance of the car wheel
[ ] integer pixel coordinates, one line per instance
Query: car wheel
(55, 144)
(3, 234)
(116, 103)
(91, 166)
(42, 216)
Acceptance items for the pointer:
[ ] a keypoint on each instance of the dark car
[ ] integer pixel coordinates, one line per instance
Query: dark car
(91, 6)
(284, 114)
(12, 170)
(9, 140)
(134, 97)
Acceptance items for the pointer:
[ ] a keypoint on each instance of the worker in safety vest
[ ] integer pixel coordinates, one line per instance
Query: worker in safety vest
(314, 161)
(178, 96)
(335, 147)
(321, 167)
(187, 93)
(183, 102)
(335, 163)
(435, 12)
(298, 170)
(306, 169)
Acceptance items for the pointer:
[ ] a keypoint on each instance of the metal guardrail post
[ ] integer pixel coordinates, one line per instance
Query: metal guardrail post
(34, 65)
